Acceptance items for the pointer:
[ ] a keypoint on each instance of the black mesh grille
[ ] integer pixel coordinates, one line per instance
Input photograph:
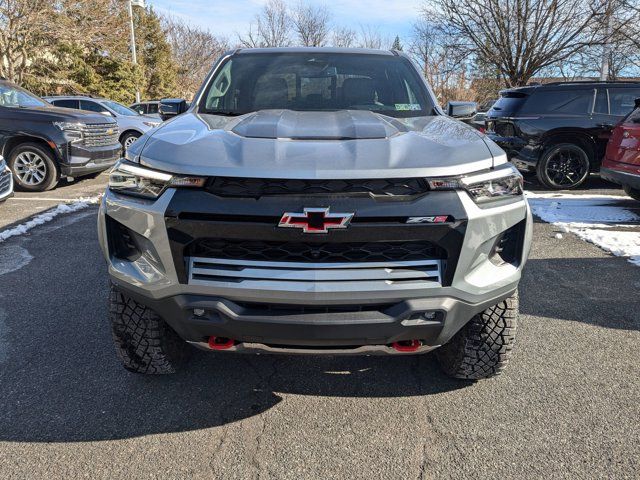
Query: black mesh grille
(261, 187)
(321, 252)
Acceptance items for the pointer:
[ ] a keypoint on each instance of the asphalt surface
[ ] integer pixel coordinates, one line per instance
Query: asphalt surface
(567, 407)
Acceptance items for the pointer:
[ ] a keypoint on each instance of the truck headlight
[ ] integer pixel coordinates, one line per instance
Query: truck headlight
(499, 184)
(132, 179)
(73, 132)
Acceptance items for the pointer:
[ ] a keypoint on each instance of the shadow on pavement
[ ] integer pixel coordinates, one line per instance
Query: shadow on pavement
(598, 291)
(92, 398)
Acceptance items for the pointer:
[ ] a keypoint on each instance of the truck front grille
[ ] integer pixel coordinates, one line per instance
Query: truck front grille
(264, 187)
(315, 252)
(355, 276)
(5, 182)
(100, 134)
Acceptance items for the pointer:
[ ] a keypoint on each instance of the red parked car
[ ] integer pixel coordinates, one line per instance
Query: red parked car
(621, 163)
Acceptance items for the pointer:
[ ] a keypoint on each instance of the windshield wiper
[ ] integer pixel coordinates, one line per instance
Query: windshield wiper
(226, 113)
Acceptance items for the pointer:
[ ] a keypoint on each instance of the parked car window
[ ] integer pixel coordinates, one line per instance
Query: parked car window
(562, 102)
(14, 96)
(317, 82)
(141, 108)
(509, 104)
(622, 100)
(152, 108)
(602, 102)
(121, 109)
(92, 106)
(67, 103)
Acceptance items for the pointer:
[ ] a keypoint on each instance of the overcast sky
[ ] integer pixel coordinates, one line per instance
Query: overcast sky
(228, 17)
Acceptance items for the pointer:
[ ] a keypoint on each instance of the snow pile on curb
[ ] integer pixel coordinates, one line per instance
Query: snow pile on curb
(597, 219)
(61, 209)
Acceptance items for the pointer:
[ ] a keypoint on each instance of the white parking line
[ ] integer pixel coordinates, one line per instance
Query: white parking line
(41, 199)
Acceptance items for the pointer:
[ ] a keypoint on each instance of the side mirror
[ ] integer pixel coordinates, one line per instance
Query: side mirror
(462, 109)
(637, 103)
(171, 107)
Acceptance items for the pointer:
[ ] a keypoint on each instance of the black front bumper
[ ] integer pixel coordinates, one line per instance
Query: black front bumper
(79, 161)
(432, 320)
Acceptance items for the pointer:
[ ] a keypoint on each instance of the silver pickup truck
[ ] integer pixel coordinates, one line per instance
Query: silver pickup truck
(314, 201)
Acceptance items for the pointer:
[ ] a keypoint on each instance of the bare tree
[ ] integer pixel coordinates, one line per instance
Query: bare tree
(445, 72)
(370, 37)
(518, 37)
(344, 37)
(311, 24)
(619, 53)
(195, 51)
(271, 27)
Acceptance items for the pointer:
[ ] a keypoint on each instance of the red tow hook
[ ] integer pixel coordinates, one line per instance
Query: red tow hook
(406, 345)
(221, 343)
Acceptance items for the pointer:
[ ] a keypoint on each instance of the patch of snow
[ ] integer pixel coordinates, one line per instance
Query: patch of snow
(63, 208)
(597, 219)
(558, 236)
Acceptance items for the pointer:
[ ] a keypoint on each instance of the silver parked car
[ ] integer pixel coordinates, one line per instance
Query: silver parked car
(315, 200)
(131, 124)
(6, 180)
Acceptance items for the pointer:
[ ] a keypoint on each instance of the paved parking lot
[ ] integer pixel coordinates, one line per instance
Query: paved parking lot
(568, 406)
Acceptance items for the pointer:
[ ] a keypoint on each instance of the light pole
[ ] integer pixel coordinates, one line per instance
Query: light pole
(134, 57)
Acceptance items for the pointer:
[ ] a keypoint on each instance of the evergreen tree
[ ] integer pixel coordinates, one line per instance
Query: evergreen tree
(159, 71)
(396, 44)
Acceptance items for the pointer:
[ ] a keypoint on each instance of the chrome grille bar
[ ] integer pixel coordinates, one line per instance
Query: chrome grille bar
(276, 275)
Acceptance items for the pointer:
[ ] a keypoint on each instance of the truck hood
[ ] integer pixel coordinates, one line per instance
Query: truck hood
(316, 145)
(51, 113)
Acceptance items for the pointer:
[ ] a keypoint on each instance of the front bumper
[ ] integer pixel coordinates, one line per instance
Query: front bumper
(81, 161)
(623, 178)
(313, 310)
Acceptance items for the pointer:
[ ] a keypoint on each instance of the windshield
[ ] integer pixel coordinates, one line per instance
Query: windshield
(317, 82)
(16, 97)
(120, 109)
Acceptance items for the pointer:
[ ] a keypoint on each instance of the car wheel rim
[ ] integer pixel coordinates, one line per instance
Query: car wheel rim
(566, 168)
(30, 168)
(129, 141)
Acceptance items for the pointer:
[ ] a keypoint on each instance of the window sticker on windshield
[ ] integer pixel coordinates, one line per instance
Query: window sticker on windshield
(407, 106)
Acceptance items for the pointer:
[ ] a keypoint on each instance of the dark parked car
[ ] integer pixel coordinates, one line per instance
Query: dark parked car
(43, 143)
(621, 163)
(560, 130)
(149, 108)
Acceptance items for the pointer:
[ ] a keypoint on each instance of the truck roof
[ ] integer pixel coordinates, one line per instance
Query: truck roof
(360, 51)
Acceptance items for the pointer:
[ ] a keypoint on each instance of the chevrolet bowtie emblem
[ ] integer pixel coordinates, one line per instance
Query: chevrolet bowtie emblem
(315, 220)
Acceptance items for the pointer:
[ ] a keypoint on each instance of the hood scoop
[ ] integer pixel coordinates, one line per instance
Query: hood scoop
(338, 125)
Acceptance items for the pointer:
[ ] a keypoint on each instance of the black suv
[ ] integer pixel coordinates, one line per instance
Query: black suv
(559, 130)
(43, 143)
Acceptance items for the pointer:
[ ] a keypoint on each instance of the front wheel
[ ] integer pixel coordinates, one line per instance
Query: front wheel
(484, 345)
(129, 139)
(144, 342)
(563, 166)
(34, 168)
(632, 192)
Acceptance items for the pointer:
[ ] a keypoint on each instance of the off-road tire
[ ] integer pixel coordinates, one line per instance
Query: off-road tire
(632, 192)
(52, 175)
(483, 347)
(568, 148)
(144, 342)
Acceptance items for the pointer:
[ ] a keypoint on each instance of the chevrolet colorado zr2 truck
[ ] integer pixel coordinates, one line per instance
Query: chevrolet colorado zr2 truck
(314, 201)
